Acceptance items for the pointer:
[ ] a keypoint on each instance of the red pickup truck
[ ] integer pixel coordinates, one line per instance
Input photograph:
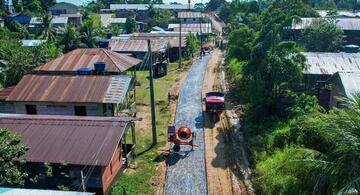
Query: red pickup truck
(215, 102)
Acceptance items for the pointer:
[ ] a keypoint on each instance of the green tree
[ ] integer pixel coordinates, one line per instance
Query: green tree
(241, 43)
(214, 5)
(130, 25)
(48, 32)
(323, 35)
(192, 44)
(70, 38)
(11, 147)
(159, 17)
(21, 30)
(88, 34)
(20, 60)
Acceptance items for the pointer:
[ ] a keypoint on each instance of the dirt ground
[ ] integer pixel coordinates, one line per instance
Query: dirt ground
(224, 162)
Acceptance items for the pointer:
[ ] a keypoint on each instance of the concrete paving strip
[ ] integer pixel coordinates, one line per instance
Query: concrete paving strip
(186, 172)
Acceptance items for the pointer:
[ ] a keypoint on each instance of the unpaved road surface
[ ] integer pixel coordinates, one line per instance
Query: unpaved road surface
(186, 172)
(224, 152)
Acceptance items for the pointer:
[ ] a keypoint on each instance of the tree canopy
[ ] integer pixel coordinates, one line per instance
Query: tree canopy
(11, 173)
(323, 35)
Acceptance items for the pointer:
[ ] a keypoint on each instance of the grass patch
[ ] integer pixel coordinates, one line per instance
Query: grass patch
(140, 179)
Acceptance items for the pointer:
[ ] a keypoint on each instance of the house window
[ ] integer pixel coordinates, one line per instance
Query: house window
(184, 19)
(30, 109)
(80, 110)
(194, 19)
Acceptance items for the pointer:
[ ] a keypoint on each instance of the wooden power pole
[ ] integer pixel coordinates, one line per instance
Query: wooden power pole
(152, 97)
(180, 54)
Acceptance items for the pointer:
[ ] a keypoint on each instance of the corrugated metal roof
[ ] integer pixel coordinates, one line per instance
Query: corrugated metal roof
(190, 15)
(85, 58)
(71, 89)
(118, 20)
(330, 63)
(350, 82)
(146, 6)
(32, 43)
(195, 28)
(59, 20)
(171, 37)
(132, 45)
(343, 23)
(340, 13)
(5, 92)
(71, 15)
(36, 20)
(19, 191)
(70, 139)
(106, 19)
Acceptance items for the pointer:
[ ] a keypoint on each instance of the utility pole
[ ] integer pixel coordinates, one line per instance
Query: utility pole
(152, 97)
(201, 41)
(180, 62)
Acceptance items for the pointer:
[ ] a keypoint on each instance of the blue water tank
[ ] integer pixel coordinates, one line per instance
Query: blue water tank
(103, 44)
(109, 35)
(99, 66)
(84, 71)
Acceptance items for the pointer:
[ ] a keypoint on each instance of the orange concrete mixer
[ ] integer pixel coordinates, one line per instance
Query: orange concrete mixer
(181, 136)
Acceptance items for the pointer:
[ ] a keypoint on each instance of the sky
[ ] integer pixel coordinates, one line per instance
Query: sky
(80, 2)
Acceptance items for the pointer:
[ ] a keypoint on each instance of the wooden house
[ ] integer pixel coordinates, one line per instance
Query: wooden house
(84, 153)
(84, 82)
(321, 66)
(64, 8)
(190, 17)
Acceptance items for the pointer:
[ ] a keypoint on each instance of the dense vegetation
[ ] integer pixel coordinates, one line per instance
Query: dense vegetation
(295, 146)
(11, 147)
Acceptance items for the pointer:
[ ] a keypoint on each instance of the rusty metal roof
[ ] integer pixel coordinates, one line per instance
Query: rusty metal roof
(140, 45)
(85, 58)
(190, 15)
(342, 23)
(71, 139)
(195, 28)
(71, 89)
(5, 92)
(330, 63)
(171, 37)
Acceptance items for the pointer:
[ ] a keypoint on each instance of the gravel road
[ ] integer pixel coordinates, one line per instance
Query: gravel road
(186, 172)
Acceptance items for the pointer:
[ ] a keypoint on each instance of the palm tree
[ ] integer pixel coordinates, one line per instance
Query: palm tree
(88, 34)
(47, 31)
(70, 38)
(338, 168)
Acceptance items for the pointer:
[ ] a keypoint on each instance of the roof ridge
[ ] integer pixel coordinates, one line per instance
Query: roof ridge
(108, 55)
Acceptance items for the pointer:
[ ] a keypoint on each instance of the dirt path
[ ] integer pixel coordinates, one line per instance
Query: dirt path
(225, 157)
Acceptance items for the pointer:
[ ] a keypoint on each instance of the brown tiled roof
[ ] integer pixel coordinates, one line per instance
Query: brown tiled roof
(70, 139)
(71, 89)
(5, 92)
(85, 58)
